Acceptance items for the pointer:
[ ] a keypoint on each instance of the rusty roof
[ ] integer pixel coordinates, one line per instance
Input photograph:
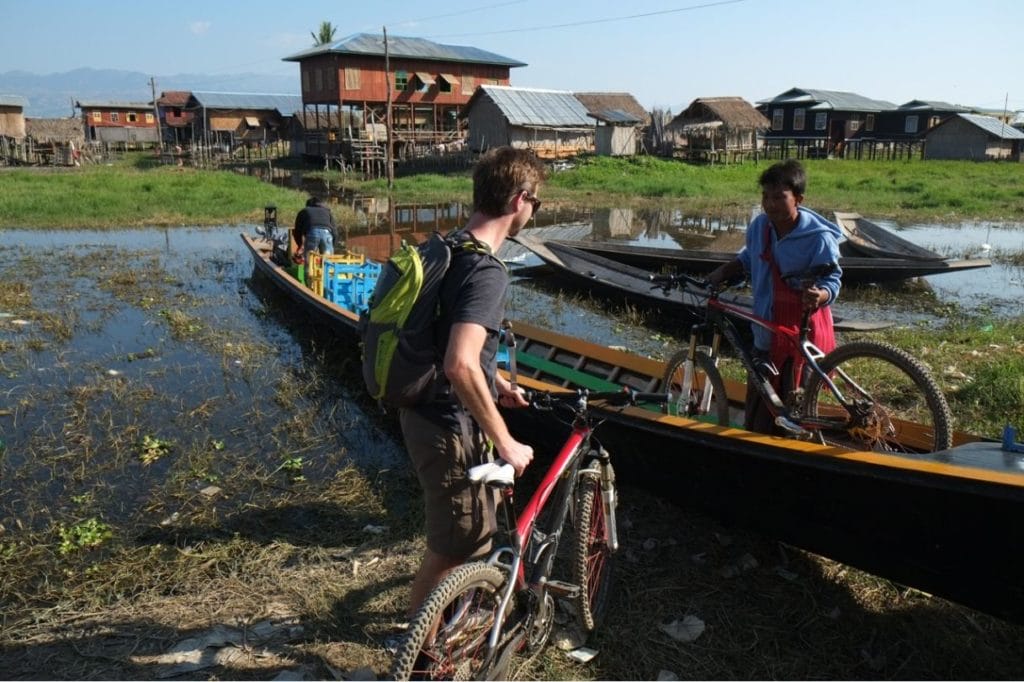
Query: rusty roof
(174, 98)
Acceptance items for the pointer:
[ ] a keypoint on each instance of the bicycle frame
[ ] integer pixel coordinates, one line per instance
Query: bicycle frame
(536, 554)
(719, 320)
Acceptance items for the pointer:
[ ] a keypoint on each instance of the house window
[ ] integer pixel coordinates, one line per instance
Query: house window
(798, 118)
(97, 116)
(468, 85)
(911, 125)
(869, 122)
(131, 117)
(149, 118)
(934, 121)
(777, 119)
(401, 80)
(854, 125)
(318, 80)
(305, 81)
(114, 117)
(352, 78)
(444, 83)
(820, 120)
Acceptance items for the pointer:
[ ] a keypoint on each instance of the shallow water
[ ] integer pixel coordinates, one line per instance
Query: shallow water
(73, 408)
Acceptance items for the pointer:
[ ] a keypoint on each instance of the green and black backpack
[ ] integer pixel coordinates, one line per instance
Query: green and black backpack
(401, 360)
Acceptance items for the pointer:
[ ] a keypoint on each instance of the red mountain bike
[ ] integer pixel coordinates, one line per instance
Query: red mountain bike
(866, 395)
(483, 612)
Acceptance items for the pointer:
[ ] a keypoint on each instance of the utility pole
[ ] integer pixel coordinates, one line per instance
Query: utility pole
(156, 112)
(387, 78)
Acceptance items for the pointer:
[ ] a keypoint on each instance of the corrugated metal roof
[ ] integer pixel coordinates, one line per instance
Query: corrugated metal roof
(13, 101)
(93, 104)
(829, 99)
(930, 105)
(283, 104)
(993, 126)
(401, 46)
(614, 116)
(530, 107)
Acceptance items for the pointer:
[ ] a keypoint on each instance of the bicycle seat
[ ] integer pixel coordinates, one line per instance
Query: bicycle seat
(497, 473)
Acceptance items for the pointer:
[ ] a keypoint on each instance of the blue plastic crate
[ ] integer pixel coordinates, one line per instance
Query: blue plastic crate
(350, 286)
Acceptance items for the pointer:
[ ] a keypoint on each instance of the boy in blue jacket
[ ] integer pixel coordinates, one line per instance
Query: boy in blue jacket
(784, 243)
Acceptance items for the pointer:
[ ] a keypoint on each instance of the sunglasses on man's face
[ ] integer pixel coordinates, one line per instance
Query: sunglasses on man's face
(534, 202)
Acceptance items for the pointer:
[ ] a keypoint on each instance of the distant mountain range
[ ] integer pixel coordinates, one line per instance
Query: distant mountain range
(53, 95)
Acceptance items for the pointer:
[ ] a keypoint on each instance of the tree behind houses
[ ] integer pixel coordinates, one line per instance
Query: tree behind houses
(326, 34)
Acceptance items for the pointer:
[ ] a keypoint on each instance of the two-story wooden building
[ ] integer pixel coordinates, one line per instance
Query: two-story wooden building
(429, 83)
(129, 123)
(817, 123)
(176, 119)
(900, 132)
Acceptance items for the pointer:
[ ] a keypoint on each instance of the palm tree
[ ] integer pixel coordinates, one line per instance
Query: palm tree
(326, 34)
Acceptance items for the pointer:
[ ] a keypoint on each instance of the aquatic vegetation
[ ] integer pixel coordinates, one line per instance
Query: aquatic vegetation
(86, 534)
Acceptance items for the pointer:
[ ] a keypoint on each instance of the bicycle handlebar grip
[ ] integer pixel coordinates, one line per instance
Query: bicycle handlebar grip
(652, 397)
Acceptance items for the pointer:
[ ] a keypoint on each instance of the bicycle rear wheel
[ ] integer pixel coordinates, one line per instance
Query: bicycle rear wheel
(448, 636)
(592, 557)
(901, 406)
(689, 405)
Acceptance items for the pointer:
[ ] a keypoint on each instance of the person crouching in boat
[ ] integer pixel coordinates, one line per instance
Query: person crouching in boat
(783, 242)
(314, 228)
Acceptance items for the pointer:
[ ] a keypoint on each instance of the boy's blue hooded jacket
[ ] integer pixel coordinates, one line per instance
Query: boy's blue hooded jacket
(813, 241)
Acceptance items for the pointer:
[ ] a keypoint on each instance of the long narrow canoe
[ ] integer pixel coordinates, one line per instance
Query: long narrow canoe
(611, 277)
(868, 239)
(945, 522)
(856, 269)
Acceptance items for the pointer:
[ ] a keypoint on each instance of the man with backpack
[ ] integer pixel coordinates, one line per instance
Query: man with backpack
(453, 432)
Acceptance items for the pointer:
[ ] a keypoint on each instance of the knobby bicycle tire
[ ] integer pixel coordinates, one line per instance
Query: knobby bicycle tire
(592, 558)
(686, 406)
(456, 617)
(903, 392)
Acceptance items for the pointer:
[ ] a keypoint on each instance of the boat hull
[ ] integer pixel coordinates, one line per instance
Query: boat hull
(945, 522)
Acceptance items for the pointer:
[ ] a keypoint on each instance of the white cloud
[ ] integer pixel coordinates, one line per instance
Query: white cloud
(199, 27)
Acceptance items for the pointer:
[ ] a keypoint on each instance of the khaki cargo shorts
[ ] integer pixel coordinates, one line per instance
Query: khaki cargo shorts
(460, 515)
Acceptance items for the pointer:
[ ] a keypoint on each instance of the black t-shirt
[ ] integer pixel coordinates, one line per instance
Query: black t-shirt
(314, 216)
(474, 290)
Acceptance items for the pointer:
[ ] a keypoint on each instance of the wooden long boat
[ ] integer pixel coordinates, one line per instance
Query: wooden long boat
(611, 277)
(856, 269)
(945, 522)
(868, 239)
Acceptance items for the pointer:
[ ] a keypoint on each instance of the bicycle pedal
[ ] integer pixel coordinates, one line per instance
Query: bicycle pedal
(792, 428)
(562, 589)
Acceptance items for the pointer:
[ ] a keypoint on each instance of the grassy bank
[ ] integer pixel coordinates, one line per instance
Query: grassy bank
(134, 195)
(135, 192)
(909, 191)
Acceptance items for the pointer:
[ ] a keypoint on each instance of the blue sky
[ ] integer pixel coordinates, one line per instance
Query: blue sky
(665, 52)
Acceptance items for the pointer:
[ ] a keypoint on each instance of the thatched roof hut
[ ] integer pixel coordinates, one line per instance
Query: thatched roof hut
(719, 124)
(60, 130)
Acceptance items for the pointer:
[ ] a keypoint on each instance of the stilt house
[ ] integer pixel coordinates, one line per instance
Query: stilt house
(428, 84)
(553, 123)
(718, 129)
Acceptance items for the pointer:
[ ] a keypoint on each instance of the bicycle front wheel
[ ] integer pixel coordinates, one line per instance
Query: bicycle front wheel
(448, 637)
(709, 402)
(592, 557)
(898, 406)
